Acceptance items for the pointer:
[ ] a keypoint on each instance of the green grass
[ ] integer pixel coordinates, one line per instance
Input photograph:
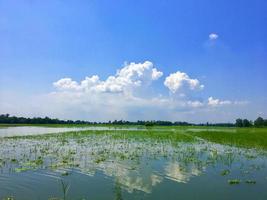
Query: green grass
(241, 137)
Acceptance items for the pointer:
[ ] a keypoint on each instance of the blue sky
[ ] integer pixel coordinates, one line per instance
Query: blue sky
(42, 42)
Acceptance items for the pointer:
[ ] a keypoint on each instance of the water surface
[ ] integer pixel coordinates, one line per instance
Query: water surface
(39, 130)
(124, 165)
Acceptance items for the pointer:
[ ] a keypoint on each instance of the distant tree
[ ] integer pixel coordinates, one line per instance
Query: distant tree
(246, 123)
(259, 122)
(239, 122)
(149, 124)
(265, 122)
(6, 118)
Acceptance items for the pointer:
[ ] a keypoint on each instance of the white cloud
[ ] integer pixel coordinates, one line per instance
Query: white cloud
(116, 97)
(241, 102)
(127, 78)
(66, 84)
(217, 102)
(180, 80)
(156, 74)
(213, 36)
(128, 94)
(195, 104)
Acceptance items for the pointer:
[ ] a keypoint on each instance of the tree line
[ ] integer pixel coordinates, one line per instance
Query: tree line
(259, 122)
(7, 119)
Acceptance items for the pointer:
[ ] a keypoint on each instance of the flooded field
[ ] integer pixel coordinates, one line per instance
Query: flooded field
(39, 130)
(165, 163)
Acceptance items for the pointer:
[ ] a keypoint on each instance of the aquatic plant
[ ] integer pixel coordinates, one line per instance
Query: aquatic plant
(225, 172)
(250, 181)
(137, 160)
(234, 181)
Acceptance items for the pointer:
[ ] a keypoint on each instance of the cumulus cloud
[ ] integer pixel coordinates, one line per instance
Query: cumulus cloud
(116, 96)
(213, 36)
(217, 102)
(176, 81)
(124, 95)
(66, 84)
(130, 76)
(156, 74)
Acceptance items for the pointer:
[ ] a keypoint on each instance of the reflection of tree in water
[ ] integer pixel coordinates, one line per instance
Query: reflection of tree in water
(117, 191)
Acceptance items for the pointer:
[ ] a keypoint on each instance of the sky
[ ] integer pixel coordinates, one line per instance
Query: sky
(186, 60)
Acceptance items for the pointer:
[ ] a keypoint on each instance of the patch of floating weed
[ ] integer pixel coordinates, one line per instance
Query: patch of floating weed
(21, 169)
(225, 172)
(250, 181)
(234, 181)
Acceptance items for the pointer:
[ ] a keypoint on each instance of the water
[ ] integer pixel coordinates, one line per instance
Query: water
(119, 165)
(38, 130)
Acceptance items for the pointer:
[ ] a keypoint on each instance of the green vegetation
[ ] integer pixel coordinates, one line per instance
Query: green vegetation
(243, 123)
(7, 119)
(234, 181)
(225, 172)
(259, 122)
(251, 181)
(241, 137)
(177, 153)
